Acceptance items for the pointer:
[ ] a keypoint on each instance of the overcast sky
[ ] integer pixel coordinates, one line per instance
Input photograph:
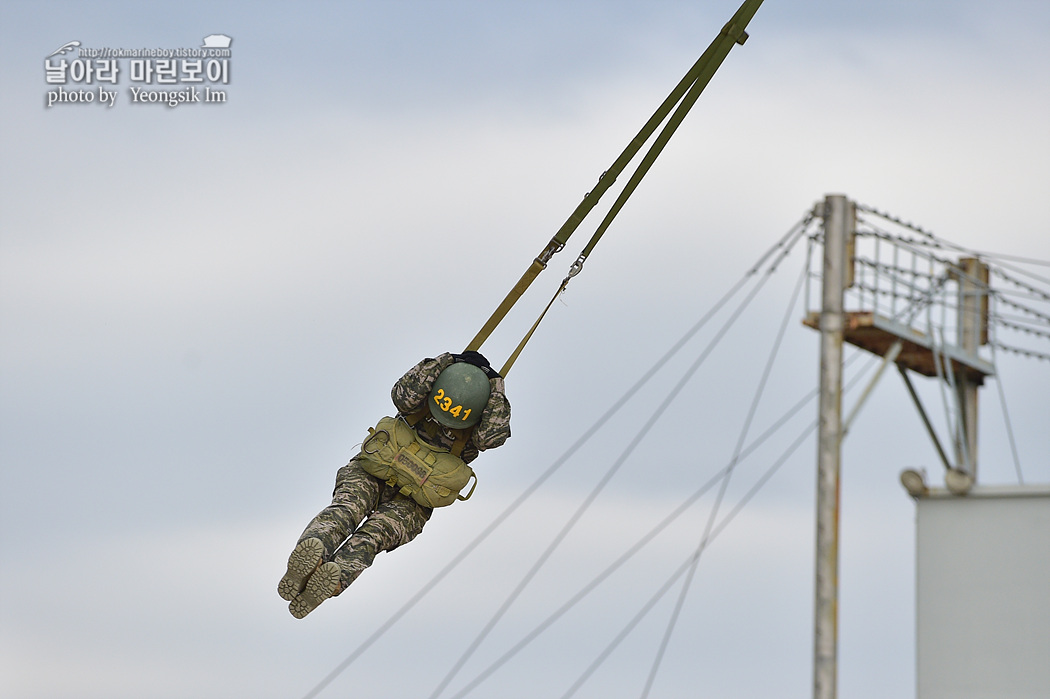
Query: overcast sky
(203, 308)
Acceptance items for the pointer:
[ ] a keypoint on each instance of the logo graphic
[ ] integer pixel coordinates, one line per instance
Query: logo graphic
(216, 41)
(164, 76)
(66, 49)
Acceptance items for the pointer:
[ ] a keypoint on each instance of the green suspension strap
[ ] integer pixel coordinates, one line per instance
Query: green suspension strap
(684, 95)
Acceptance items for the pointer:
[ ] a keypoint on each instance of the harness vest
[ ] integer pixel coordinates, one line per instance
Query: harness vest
(432, 476)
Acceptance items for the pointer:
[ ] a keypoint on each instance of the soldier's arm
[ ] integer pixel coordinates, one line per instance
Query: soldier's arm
(494, 427)
(411, 391)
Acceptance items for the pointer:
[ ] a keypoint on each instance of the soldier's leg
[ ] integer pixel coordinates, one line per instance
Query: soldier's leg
(396, 521)
(356, 495)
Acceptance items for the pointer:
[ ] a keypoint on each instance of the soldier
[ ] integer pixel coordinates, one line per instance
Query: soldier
(449, 408)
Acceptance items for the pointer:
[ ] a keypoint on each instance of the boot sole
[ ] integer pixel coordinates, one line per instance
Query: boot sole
(305, 559)
(321, 585)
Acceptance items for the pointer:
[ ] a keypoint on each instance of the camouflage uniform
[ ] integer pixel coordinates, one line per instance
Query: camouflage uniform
(368, 515)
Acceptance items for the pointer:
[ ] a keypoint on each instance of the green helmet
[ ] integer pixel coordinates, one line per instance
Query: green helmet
(459, 395)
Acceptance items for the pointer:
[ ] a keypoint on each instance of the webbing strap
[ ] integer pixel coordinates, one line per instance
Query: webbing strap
(460, 436)
(684, 95)
(590, 199)
(415, 417)
(732, 33)
(521, 345)
(526, 279)
(459, 443)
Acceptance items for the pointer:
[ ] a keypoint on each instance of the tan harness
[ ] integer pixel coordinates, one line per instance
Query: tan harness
(430, 475)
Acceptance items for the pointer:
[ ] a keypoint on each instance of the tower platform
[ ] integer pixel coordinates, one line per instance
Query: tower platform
(876, 334)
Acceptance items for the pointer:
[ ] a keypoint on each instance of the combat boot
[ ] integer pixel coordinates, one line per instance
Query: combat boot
(324, 583)
(304, 561)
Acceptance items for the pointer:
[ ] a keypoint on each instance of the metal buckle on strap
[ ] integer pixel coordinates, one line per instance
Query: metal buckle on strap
(375, 433)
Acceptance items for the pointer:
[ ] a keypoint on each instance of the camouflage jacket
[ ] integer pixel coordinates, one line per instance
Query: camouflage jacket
(410, 394)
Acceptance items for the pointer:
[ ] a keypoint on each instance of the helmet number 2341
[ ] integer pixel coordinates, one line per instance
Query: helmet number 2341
(445, 403)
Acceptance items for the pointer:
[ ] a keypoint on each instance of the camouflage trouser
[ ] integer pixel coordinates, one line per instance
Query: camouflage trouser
(389, 520)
